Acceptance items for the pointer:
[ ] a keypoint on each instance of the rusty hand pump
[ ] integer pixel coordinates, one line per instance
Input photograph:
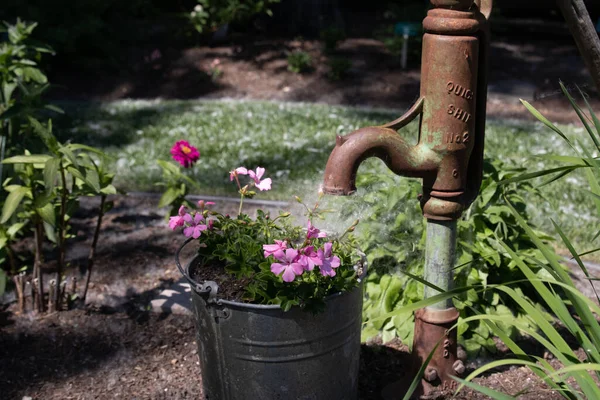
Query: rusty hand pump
(448, 158)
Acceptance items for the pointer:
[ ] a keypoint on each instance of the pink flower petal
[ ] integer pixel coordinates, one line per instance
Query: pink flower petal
(264, 185)
(260, 172)
(288, 275)
(277, 268)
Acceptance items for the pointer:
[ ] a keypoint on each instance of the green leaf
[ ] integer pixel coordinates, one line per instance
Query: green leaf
(50, 232)
(14, 229)
(12, 202)
(27, 159)
(47, 214)
(168, 197)
(51, 173)
(545, 121)
(109, 189)
(34, 74)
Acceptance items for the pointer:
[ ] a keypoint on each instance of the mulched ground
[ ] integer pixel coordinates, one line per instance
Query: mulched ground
(116, 348)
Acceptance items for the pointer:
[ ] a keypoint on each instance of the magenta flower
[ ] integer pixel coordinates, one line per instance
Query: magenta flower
(265, 184)
(185, 154)
(289, 266)
(236, 172)
(194, 228)
(276, 250)
(313, 232)
(328, 261)
(309, 258)
(178, 220)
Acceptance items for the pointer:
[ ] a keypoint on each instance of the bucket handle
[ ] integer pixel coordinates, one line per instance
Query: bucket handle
(208, 288)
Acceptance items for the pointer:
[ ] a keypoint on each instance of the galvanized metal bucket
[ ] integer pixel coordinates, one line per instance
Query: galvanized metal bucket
(260, 352)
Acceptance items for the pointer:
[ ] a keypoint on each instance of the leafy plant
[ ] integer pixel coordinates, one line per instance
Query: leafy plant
(575, 314)
(299, 62)
(338, 68)
(272, 260)
(394, 243)
(214, 13)
(45, 191)
(22, 83)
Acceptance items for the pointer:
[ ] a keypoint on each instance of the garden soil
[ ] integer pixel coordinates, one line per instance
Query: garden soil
(521, 67)
(116, 347)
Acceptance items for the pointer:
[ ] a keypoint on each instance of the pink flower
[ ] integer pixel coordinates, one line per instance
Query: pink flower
(309, 258)
(202, 204)
(178, 220)
(194, 228)
(185, 154)
(328, 262)
(256, 176)
(313, 232)
(289, 266)
(236, 172)
(276, 250)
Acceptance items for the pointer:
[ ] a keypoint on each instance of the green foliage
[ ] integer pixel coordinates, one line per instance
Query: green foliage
(577, 378)
(214, 13)
(338, 68)
(176, 186)
(331, 36)
(299, 62)
(395, 243)
(236, 245)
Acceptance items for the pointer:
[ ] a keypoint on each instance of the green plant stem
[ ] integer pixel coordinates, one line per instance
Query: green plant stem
(61, 237)
(93, 247)
(37, 264)
(439, 259)
(11, 259)
(241, 204)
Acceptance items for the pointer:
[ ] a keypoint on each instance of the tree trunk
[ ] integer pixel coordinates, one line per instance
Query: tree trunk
(585, 35)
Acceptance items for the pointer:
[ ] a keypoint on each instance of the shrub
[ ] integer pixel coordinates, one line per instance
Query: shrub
(299, 62)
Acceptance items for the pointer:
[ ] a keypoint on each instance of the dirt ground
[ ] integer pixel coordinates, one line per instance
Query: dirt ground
(117, 348)
(520, 67)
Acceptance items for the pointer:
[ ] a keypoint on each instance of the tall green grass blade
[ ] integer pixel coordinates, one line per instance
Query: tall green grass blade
(580, 114)
(555, 178)
(585, 253)
(594, 119)
(537, 174)
(545, 121)
(573, 252)
(576, 368)
(485, 390)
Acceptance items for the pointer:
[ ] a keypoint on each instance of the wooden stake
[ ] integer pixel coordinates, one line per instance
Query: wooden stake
(585, 35)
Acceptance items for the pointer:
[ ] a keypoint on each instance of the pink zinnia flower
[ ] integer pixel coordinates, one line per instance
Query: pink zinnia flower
(185, 154)
(194, 228)
(178, 220)
(328, 262)
(276, 250)
(236, 172)
(313, 232)
(309, 258)
(289, 266)
(265, 184)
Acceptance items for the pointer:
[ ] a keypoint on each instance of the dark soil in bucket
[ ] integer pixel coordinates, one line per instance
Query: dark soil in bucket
(117, 348)
(230, 288)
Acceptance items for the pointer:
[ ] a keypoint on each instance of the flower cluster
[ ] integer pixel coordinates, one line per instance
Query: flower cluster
(193, 223)
(294, 262)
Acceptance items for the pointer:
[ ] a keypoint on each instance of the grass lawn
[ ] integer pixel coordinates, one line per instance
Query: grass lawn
(293, 141)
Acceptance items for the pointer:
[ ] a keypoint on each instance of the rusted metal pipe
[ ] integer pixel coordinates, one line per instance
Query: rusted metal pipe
(448, 157)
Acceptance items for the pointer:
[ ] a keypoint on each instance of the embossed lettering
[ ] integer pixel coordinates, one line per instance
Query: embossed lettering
(459, 90)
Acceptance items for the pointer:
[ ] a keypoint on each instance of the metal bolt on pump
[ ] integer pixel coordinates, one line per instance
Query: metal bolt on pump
(448, 158)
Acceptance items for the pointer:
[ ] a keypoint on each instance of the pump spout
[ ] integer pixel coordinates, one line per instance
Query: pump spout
(381, 142)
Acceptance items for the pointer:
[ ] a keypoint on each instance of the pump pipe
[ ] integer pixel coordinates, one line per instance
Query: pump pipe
(448, 158)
